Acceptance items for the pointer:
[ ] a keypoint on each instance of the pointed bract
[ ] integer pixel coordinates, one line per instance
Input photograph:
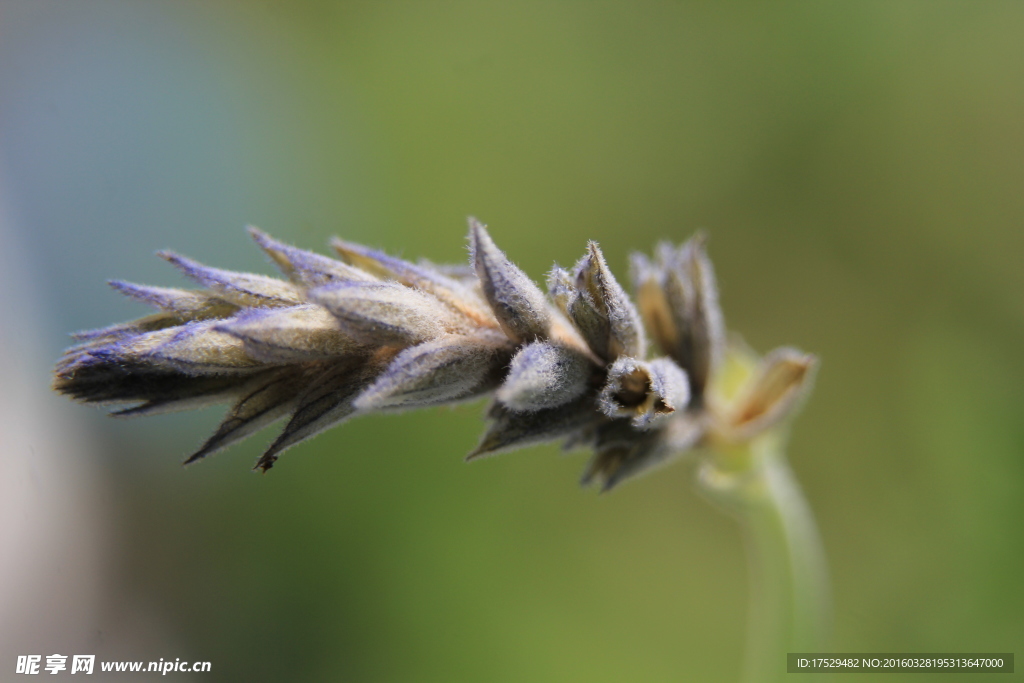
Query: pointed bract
(386, 312)
(652, 301)
(327, 401)
(614, 465)
(451, 291)
(518, 304)
(510, 430)
(592, 324)
(195, 349)
(774, 393)
(595, 280)
(242, 289)
(544, 375)
(440, 371)
(264, 400)
(708, 325)
(307, 268)
(295, 334)
(697, 328)
(107, 335)
(187, 305)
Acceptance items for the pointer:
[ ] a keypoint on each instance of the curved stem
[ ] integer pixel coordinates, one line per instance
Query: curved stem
(790, 606)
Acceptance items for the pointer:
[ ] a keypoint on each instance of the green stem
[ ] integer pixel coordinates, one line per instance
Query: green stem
(790, 606)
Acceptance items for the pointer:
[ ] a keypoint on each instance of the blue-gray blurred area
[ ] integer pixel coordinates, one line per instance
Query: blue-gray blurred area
(858, 167)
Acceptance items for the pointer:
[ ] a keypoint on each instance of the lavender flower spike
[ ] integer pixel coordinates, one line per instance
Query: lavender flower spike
(371, 332)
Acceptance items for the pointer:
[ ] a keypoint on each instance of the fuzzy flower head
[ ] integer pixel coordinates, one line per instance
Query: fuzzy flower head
(368, 332)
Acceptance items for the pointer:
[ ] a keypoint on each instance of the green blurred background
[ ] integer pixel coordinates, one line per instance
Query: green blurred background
(858, 166)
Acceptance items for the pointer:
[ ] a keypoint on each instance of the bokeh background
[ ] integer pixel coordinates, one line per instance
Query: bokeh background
(858, 166)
